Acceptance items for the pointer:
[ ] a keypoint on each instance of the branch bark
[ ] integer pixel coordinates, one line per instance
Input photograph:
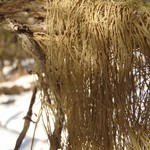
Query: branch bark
(24, 11)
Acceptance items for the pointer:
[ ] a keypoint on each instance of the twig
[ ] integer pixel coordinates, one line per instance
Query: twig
(26, 122)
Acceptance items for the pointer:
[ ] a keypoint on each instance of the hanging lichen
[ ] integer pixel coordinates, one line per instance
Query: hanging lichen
(96, 80)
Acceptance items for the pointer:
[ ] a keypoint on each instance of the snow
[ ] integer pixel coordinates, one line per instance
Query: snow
(25, 81)
(12, 114)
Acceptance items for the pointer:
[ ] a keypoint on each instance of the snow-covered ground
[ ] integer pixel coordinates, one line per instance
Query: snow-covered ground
(13, 109)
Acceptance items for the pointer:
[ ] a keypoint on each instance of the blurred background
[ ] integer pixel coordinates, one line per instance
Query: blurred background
(12, 57)
(15, 93)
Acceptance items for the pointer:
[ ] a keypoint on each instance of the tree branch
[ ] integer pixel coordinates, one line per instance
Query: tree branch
(27, 121)
(23, 11)
(26, 37)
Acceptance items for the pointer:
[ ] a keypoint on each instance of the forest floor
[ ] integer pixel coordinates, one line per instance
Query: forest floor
(15, 96)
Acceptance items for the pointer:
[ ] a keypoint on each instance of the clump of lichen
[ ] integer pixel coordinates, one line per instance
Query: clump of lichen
(96, 82)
